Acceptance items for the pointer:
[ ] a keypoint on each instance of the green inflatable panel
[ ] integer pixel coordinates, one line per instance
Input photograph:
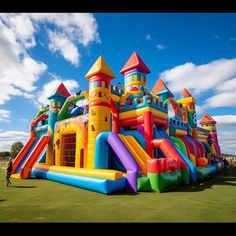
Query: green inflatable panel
(144, 184)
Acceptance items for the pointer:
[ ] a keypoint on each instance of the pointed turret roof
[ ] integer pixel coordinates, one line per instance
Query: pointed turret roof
(161, 88)
(186, 93)
(61, 90)
(207, 119)
(134, 62)
(100, 66)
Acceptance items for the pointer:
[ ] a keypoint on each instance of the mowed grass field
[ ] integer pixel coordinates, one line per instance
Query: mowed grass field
(38, 200)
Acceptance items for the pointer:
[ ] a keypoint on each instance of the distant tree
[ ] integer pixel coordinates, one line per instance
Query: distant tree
(4, 154)
(15, 148)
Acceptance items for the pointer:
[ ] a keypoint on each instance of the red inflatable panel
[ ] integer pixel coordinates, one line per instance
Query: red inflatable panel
(154, 165)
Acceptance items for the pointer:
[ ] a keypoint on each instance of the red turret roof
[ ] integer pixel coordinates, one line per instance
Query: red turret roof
(186, 93)
(134, 62)
(60, 91)
(207, 119)
(160, 86)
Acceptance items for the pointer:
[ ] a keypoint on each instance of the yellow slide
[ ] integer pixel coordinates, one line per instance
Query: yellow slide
(137, 151)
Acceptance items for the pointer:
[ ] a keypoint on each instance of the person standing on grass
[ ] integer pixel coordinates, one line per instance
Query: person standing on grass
(226, 163)
(8, 172)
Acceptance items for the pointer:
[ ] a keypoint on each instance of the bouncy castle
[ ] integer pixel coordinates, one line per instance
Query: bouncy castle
(115, 138)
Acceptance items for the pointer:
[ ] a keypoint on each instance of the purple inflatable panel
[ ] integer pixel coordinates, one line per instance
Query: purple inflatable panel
(126, 159)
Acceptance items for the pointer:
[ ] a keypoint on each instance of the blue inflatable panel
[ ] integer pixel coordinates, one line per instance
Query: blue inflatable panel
(100, 185)
(42, 157)
(214, 169)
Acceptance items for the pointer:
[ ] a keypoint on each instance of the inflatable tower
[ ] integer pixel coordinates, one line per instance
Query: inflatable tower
(57, 100)
(208, 123)
(188, 101)
(99, 76)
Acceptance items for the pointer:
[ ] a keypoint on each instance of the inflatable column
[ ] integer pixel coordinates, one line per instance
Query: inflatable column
(208, 123)
(99, 76)
(57, 99)
(188, 101)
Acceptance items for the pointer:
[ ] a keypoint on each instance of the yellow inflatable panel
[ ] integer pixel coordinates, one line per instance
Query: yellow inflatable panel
(181, 132)
(41, 166)
(213, 149)
(193, 159)
(139, 112)
(16, 176)
(100, 173)
(137, 151)
(124, 97)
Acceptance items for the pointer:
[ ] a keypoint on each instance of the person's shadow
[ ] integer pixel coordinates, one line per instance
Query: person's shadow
(21, 186)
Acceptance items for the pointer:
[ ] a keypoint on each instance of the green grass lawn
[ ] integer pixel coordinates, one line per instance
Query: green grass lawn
(37, 200)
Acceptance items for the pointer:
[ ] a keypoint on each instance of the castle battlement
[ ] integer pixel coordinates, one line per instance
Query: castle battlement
(116, 90)
(178, 124)
(145, 101)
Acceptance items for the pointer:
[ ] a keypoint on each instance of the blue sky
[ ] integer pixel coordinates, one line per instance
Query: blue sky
(192, 50)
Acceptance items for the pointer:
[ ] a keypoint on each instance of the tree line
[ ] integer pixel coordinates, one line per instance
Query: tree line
(15, 149)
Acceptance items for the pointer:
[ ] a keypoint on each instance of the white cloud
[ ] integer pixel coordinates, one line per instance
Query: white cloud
(48, 88)
(71, 29)
(7, 138)
(227, 141)
(19, 71)
(81, 27)
(227, 86)
(5, 116)
(225, 120)
(225, 99)
(59, 42)
(217, 78)
(199, 109)
(161, 46)
(200, 78)
(216, 36)
(148, 37)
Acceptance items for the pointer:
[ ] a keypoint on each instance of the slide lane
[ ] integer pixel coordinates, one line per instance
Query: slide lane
(23, 154)
(160, 133)
(25, 170)
(110, 138)
(137, 151)
(137, 135)
(42, 157)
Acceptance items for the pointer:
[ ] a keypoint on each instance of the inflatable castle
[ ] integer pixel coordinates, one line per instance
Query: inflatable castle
(113, 138)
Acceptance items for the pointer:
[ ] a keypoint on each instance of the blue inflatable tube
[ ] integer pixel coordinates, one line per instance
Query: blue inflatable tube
(207, 147)
(213, 168)
(194, 145)
(102, 150)
(42, 157)
(191, 166)
(101, 185)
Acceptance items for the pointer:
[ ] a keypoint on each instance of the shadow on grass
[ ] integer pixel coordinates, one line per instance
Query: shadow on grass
(125, 193)
(2, 200)
(228, 178)
(20, 186)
